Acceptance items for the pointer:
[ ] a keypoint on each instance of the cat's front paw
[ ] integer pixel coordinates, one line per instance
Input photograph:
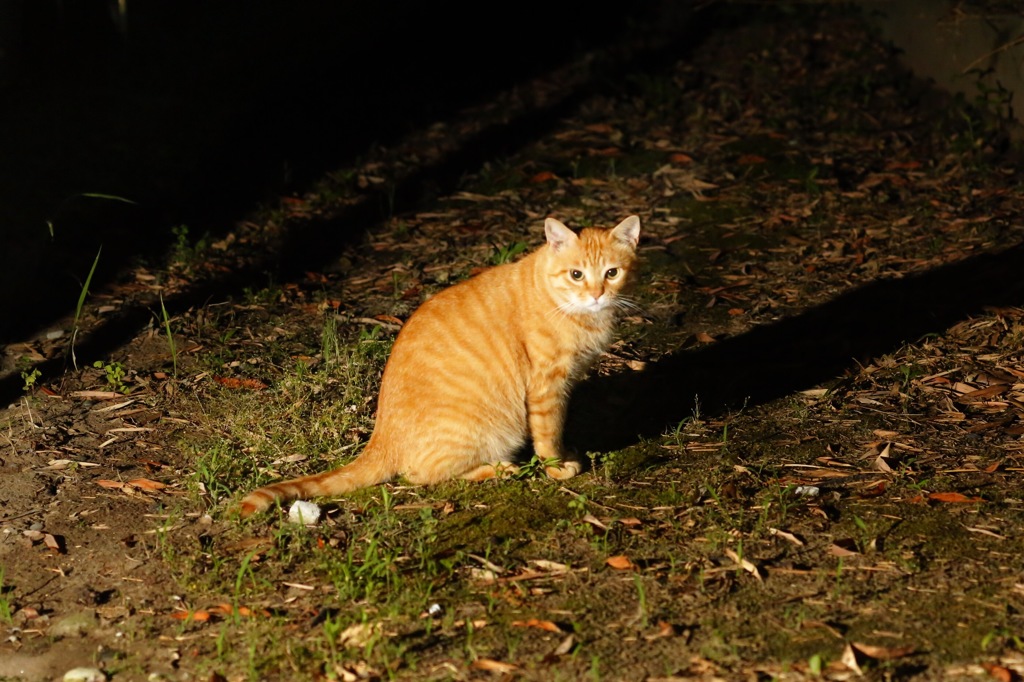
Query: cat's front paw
(565, 469)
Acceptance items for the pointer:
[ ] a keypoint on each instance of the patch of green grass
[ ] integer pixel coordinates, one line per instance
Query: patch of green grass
(629, 462)
(83, 292)
(172, 347)
(300, 424)
(507, 253)
(6, 608)
(115, 374)
(186, 253)
(267, 295)
(29, 378)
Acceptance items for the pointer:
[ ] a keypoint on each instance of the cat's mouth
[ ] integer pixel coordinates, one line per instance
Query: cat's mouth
(593, 305)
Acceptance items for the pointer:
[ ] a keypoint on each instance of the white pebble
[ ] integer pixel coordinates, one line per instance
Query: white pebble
(85, 675)
(807, 491)
(304, 512)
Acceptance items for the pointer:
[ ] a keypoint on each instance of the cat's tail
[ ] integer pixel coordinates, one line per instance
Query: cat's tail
(370, 468)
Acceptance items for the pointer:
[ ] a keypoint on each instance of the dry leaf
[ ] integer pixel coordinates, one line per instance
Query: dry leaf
(358, 635)
(54, 543)
(874, 490)
(843, 548)
(808, 624)
(985, 531)
(594, 521)
(353, 672)
(198, 616)
(982, 393)
(903, 165)
(883, 653)
(553, 566)
(490, 665)
(543, 176)
(665, 629)
(849, 659)
(483, 575)
(620, 562)
(147, 484)
(486, 563)
(390, 319)
(537, 623)
(64, 463)
(953, 498)
(97, 395)
(565, 646)
(882, 461)
(998, 672)
(105, 483)
(290, 459)
(787, 536)
(746, 565)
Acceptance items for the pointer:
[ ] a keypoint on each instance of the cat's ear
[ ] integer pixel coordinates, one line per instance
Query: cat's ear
(559, 236)
(628, 231)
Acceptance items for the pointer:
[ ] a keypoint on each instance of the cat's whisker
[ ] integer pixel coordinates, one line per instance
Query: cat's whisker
(623, 303)
(560, 311)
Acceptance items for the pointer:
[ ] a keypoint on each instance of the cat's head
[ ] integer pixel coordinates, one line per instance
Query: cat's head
(587, 271)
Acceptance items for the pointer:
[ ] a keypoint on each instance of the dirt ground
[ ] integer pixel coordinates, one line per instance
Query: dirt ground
(804, 453)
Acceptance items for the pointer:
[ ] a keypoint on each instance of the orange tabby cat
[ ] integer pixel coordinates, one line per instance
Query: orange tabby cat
(485, 364)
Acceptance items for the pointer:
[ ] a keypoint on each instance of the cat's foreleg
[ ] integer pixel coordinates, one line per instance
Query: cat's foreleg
(545, 407)
(485, 472)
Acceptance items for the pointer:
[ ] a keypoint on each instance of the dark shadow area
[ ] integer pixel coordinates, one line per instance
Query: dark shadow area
(769, 362)
(317, 242)
(199, 112)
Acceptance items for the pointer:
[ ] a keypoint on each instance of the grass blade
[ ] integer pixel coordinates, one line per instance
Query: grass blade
(81, 302)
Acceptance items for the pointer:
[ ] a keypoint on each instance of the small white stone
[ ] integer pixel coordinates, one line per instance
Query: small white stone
(85, 675)
(807, 491)
(304, 512)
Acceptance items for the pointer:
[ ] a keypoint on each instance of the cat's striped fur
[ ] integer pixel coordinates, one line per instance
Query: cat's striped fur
(485, 365)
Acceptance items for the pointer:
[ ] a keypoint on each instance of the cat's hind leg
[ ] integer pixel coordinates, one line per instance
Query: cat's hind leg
(486, 472)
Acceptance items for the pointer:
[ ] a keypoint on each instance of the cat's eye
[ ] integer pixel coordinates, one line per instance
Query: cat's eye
(611, 273)
(577, 275)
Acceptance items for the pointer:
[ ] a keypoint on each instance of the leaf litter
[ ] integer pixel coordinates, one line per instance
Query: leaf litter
(766, 197)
